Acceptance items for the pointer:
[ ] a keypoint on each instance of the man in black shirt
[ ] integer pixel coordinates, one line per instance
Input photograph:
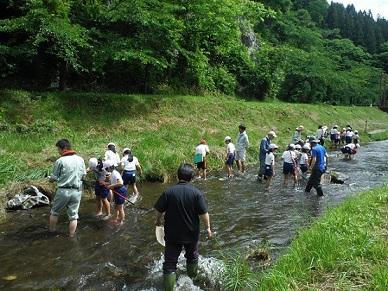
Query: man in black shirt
(182, 206)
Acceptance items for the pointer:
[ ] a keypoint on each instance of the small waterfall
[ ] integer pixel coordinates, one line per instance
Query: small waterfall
(248, 38)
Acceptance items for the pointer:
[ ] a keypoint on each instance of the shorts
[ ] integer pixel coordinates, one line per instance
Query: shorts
(346, 150)
(348, 139)
(201, 165)
(101, 191)
(69, 198)
(129, 177)
(240, 155)
(268, 172)
(288, 168)
(303, 168)
(230, 160)
(333, 137)
(120, 195)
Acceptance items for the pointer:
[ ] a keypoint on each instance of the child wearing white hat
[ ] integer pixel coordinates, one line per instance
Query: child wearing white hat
(230, 152)
(131, 167)
(112, 155)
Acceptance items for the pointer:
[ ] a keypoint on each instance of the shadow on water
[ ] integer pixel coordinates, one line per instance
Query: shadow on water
(106, 257)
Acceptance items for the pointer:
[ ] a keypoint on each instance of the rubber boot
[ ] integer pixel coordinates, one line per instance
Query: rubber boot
(192, 270)
(169, 281)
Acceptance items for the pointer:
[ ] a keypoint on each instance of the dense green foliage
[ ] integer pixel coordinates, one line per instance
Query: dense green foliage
(292, 50)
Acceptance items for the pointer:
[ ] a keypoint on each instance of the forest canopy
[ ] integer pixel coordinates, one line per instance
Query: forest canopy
(293, 50)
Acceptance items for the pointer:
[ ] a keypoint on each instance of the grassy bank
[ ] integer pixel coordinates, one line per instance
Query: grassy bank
(162, 130)
(346, 249)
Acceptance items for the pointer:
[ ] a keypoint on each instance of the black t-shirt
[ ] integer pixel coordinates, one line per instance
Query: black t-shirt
(182, 204)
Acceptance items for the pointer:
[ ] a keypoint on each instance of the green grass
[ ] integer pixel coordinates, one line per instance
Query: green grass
(346, 249)
(162, 130)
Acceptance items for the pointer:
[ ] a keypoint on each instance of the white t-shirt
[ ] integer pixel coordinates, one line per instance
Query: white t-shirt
(289, 157)
(334, 131)
(115, 178)
(304, 158)
(351, 146)
(349, 133)
(129, 166)
(230, 148)
(320, 133)
(270, 159)
(242, 141)
(202, 149)
(114, 157)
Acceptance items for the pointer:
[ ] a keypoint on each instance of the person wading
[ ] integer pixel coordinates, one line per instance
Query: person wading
(182, 205)
(263, 150)
(242, 145)
(69, 171)
(318, 167)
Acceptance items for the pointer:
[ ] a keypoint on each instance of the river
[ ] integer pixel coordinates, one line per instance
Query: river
(129, 258)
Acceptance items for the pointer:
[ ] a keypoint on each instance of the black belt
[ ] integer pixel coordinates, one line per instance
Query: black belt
(68, 187)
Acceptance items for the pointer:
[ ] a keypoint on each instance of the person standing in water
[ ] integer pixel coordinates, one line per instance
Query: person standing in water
(242, 145)
(297, 137)
(269, 170)
(230, 152)
(182, 205)
(101, 190)
(131, 168)
(69, 171)
(200, 158)
(112, 155)
(263, 150)
(317, 166)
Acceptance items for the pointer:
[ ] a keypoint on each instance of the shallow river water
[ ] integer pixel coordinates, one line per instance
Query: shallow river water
(129, 258)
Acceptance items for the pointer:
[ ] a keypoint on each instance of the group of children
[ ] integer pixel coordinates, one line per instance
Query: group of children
(113, 177)
(296, 158)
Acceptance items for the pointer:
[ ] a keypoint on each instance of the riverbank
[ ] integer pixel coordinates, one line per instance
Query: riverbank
(346, 249)
(162, 130)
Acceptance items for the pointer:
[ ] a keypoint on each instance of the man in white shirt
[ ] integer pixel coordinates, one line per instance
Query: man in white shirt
(242, 145)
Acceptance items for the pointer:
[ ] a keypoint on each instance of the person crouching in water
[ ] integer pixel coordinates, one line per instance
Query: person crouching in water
(200, 158)
(131, 167)
(289, 164)
(269, 171)
(350, 150)
(118, 189)
(100, 189)
(230, 152)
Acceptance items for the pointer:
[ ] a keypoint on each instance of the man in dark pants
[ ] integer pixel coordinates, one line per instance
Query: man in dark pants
(318, 167)
(182, 206)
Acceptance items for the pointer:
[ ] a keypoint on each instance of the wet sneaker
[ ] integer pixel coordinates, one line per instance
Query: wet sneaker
(133, 198)
(106, 217)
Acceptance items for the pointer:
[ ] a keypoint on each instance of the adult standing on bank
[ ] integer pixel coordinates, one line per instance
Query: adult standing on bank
(182, 205)
(242, 145)
(263, 150)
(69, 171)
(318, 167)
